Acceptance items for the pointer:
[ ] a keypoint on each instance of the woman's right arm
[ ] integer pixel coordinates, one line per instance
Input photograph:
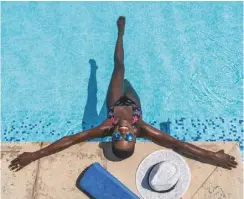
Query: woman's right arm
(68, 141)
(26, 158)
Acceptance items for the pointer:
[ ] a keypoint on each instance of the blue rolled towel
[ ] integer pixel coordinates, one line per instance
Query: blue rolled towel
(100, 184)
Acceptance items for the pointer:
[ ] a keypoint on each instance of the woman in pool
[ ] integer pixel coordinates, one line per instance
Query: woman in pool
(124, 124)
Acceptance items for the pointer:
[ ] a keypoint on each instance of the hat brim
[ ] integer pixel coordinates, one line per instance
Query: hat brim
(145, 166)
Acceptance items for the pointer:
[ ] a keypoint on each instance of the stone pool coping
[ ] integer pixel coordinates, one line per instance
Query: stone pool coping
(55, 176)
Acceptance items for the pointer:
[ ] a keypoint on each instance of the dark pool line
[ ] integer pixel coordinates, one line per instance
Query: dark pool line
(198, 125)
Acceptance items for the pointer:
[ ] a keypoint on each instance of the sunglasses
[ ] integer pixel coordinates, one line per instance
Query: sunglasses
(117, 136)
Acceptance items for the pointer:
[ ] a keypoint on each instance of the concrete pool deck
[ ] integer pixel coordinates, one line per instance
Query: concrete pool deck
(54, 177)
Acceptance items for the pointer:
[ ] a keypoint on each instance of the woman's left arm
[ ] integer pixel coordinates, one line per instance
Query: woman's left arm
(163, 139)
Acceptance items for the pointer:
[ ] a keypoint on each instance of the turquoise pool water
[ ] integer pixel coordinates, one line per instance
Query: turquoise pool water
(183, 58)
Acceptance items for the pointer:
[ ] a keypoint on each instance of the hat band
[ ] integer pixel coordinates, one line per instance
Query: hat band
(164, 191)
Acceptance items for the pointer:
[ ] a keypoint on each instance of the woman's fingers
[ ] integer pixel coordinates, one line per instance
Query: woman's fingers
(11, 165)
(231, 157)
(14, 164)
(227, 167)
(231, 164)
(234, 162)
(19, 168)
(14, 167)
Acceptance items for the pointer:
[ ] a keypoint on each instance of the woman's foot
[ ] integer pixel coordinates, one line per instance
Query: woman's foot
(93, 64)
(121, 25)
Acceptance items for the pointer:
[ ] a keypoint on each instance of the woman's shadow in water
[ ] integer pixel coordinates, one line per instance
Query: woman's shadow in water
(91, 117)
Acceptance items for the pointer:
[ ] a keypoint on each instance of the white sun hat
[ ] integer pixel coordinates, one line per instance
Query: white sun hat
(163, 175)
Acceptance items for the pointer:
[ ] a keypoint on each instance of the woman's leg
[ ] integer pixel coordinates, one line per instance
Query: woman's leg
(131, 93)
(116, 85)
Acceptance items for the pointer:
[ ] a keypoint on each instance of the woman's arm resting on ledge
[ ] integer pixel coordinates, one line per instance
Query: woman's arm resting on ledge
(26, 158)
(163, 139)
(68, 141)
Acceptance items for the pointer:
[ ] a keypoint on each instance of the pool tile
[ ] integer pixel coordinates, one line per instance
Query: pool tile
(58, 173)
(224, 183)
(17, 185)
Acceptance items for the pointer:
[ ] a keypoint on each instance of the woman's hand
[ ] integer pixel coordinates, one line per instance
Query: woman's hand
(224, 160)
(108, 124)
(21, 161)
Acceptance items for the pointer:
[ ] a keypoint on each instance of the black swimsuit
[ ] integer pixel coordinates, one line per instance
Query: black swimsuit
(125, 101)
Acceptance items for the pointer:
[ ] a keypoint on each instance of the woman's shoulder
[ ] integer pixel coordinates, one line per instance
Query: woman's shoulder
(139, 125)
(107, 126)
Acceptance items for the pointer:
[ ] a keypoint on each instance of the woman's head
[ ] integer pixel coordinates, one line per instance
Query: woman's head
(123, 140)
